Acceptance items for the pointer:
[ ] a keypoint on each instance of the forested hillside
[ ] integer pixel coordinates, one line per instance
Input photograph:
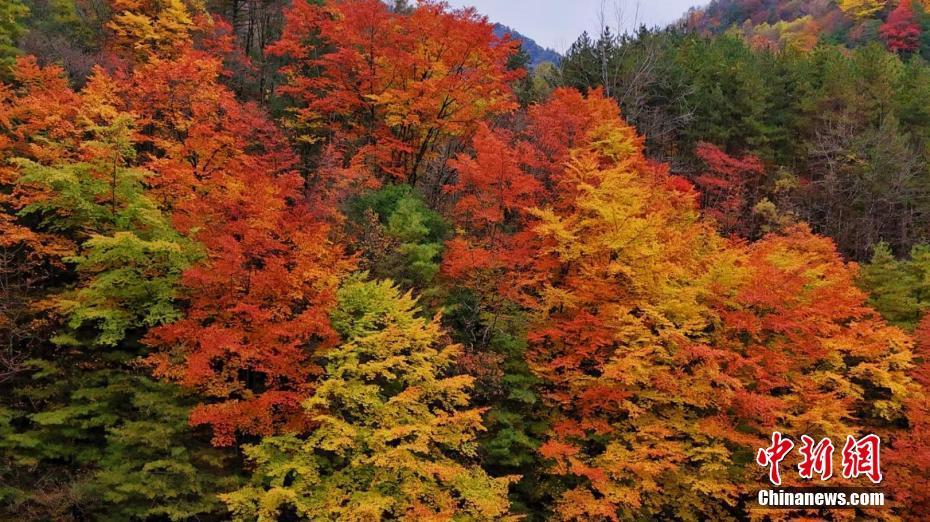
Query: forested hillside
(350, 260)
(537, 54)
(901, 25)
(840, 130)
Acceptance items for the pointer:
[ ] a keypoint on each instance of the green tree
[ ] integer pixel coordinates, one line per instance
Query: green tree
(401, 238)
(129, 256)
(83, 429)
(494, 340)
(88, 434)
(12, 12)
(898, 289)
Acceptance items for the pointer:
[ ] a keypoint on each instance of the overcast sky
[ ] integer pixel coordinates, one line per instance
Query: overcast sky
(557, 23)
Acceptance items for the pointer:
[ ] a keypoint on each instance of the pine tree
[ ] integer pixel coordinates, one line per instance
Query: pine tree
(898, 289)
(401, 237)
(11, 28)
(115, 443)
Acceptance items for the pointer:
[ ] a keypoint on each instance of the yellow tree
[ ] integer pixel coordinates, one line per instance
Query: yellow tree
(145, 27)
(669, 354)
(862, 8)
(620, 339)
(394, 439)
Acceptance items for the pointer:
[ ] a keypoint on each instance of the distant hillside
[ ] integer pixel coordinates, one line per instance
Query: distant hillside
(902, 25)
(538, 54)
(722, 14)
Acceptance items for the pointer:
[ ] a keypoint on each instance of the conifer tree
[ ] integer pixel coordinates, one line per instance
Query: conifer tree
(115, 443)
(899, 289)
(11, 28)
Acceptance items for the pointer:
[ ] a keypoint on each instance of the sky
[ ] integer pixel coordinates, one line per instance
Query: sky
(558, 23)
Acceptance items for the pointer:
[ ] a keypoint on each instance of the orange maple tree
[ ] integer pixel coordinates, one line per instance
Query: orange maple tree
(504, 176)
(814, 352)
(385, 89)
(909, 457)
(493, 191)
(669, 353)
(257, 304)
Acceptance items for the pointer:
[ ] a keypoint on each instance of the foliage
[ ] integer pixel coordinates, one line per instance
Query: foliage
(909, 454)
(861, 8)
(901, 32)
(840, 133)
(394, 434)
(107, 442)
(619, 346)
(148, 27)
(801, 34)
(257, 304)
(83, 430)
(612, 315)
(402, 236)
(434, 74)
(898, 289)
(489, 262)
(838, 363)
(725, 187)
(11, 28)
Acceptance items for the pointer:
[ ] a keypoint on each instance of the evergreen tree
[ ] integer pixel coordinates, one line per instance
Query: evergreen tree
(898, 289)
(84, 429)
(12, 13)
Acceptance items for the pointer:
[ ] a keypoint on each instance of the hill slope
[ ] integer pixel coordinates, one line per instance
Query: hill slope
(537, 53)
(900, 25)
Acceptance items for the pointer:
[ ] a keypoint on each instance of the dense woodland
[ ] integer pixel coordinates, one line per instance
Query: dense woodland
(349, 260)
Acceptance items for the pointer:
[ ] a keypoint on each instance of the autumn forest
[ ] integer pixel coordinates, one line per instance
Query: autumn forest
(358, 260)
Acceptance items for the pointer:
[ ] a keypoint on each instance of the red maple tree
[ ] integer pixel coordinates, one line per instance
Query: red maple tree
(257, 303)
(386, 88)
(901, 31)
(726, 187)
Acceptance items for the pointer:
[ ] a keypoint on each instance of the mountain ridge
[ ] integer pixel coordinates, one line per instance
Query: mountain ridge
(537, 53)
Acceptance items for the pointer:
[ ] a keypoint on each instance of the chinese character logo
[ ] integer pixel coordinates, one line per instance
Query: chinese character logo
(773, 455)
(816, 459)
(861, 457)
